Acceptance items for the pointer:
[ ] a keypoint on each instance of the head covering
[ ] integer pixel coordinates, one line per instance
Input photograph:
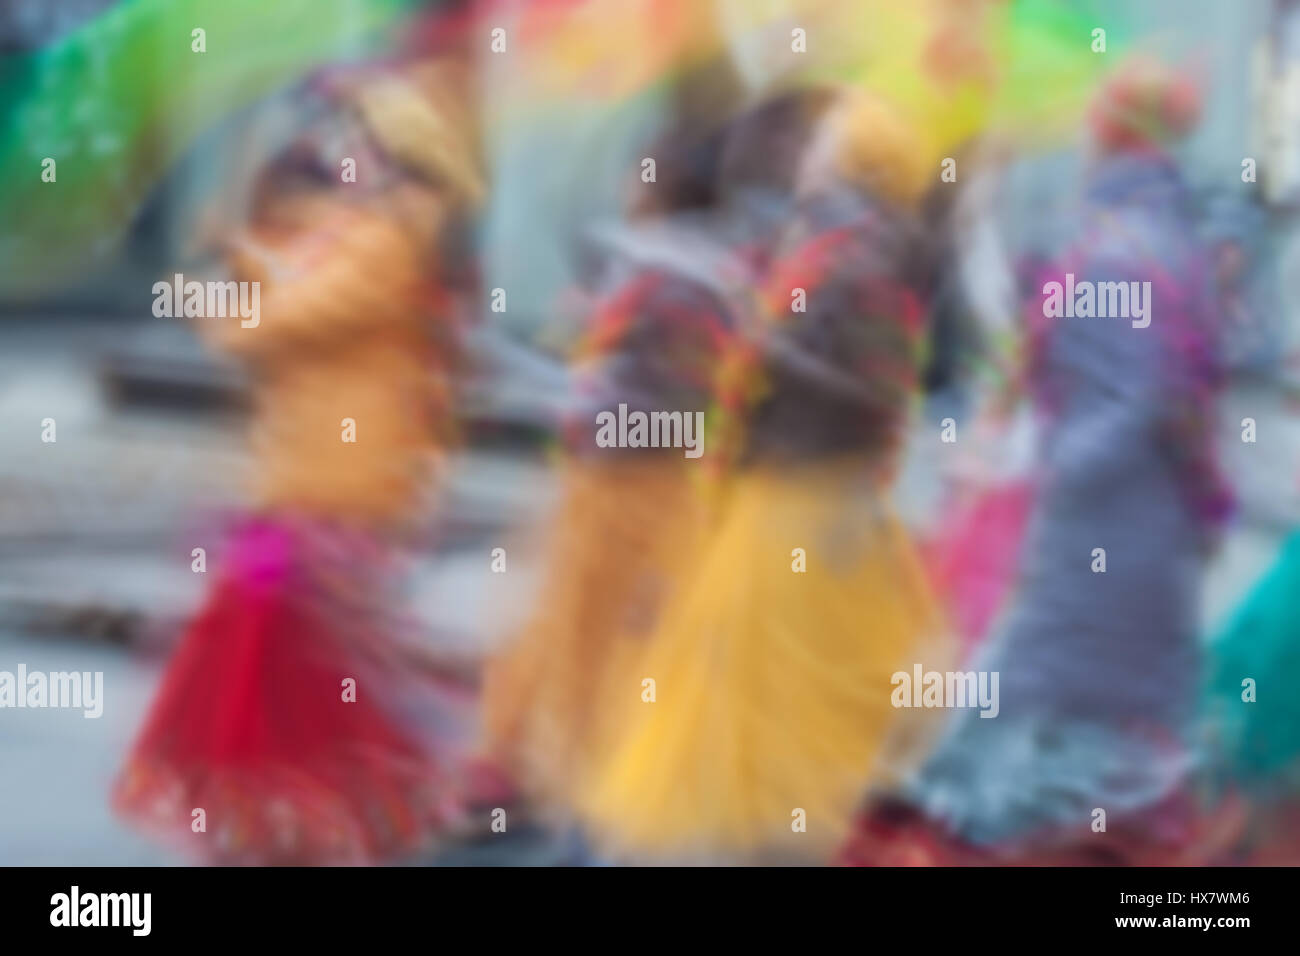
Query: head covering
(1144, 103)
(878, 150)
(420, 117)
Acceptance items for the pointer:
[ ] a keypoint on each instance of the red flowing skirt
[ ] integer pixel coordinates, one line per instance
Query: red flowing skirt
(276, 718)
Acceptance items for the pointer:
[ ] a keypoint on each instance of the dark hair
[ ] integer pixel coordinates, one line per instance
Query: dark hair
(688, 152)
(764, 144)
(686, 171)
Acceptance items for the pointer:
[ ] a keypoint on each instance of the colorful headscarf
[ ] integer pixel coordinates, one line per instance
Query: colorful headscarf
(1145, 103)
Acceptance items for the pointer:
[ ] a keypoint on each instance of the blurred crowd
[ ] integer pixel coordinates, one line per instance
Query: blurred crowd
(893, 347)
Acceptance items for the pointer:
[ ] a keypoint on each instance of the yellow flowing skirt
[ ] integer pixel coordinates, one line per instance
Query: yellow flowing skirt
(623, 533)
(772, 686)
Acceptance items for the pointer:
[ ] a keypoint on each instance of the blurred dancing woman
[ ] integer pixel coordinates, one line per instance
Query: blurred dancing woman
(626, 515)
(772, 664)
(278, 713)
(1098, 668)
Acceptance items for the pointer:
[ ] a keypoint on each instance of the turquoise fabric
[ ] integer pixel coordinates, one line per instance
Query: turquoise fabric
(1259, 742)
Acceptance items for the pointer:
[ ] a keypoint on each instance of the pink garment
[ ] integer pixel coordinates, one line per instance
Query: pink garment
(972, 560)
